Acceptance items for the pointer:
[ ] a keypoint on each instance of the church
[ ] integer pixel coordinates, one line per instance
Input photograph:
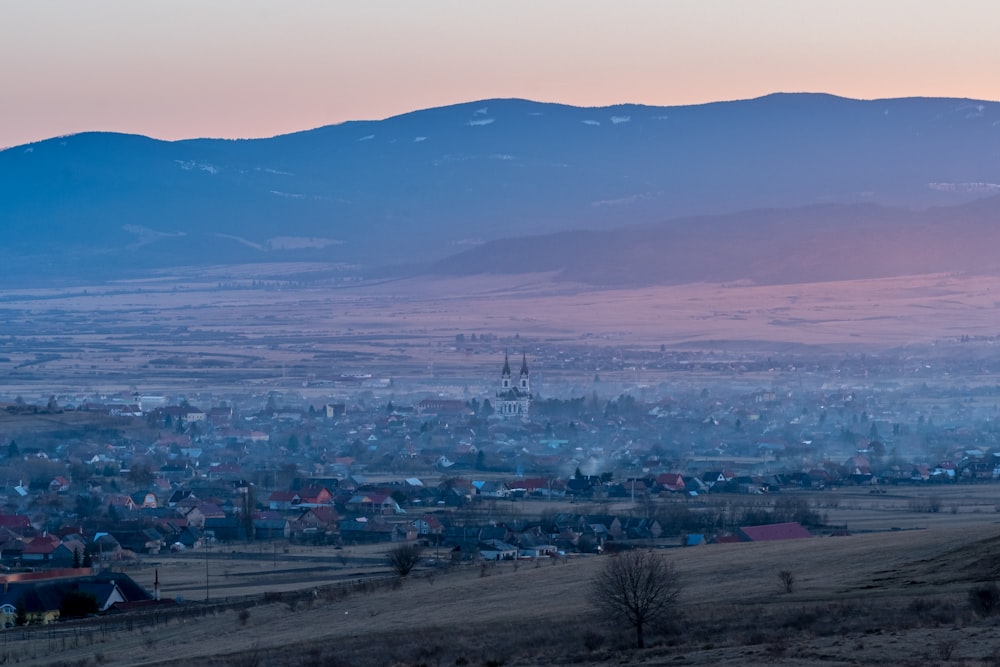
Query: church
(513, 400)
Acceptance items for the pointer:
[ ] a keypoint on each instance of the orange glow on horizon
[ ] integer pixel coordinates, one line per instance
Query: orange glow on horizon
(249, 68)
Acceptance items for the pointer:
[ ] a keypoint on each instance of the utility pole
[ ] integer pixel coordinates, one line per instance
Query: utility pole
(205, 537)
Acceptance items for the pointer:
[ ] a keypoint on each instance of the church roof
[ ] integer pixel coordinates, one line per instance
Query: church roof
(513, 394)
(524, 363)
(506, 365)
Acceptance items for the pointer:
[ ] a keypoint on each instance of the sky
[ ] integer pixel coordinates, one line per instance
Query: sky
(249, 68)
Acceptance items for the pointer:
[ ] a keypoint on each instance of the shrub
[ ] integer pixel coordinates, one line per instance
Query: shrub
(946, 647)
(592, 640)
(985, 599)
(404, 558)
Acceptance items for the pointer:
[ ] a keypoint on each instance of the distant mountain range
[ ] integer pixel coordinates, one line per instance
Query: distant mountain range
(823, 242)
(618, 194)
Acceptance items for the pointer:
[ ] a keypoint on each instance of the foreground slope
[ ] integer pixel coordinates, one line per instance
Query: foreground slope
(882, 598)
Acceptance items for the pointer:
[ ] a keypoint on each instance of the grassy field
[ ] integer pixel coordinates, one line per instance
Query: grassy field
(886, 597)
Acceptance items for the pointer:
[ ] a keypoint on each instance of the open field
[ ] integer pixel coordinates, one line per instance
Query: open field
(880, 598)
(885, 597)
(184, 331)
(246, 570)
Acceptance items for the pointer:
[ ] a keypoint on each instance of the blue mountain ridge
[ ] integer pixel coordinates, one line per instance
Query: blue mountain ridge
(422, 186)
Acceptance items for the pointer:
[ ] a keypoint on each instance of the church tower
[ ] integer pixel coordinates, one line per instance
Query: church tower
(513, 400)
(505, 374)
(524, 384)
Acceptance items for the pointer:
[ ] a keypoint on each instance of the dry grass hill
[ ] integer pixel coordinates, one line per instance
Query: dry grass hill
(897, 597)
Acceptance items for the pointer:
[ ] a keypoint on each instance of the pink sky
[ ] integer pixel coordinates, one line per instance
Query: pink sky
(241, 68)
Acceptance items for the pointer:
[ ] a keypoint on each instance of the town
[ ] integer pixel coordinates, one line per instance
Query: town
(101, 482)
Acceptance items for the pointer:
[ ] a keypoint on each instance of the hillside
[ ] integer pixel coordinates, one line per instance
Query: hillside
(827, 242)
(907, 606)
(424, 185)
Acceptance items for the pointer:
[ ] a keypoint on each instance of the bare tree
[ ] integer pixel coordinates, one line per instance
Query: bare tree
(637, 586)
(787, 580)
(403, 558)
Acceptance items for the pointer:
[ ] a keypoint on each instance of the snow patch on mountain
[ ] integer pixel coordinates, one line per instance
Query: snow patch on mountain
(188, 165)
(972, 110)
(300, 242)
(480, 121)
(287, 195)
(965, 187)
(591, 122)
(618, 120)
(240, 239)
(620, 201)
(145, 235)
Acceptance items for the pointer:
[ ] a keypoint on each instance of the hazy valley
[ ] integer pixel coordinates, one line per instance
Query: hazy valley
(251, 370)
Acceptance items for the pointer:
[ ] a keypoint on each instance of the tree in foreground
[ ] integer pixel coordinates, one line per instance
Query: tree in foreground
(787, 580)
(639, 587)
(404, 558)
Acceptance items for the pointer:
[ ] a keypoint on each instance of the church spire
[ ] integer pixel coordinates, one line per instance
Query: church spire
(514, 400)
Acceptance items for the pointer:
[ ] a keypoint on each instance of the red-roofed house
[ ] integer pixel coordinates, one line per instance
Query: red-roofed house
(540, 486)
(775, 531)
(319, 517)
(15, 522)
(671, 482)
(858, 465)
(59, 484)
(315, 496)
(428, 526)
(316, 523)
(283, 500)
(196, 516)
(373, 503)
(40, 548)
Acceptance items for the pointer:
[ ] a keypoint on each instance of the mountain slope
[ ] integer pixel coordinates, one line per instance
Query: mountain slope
(817, 243)
(423, 185)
